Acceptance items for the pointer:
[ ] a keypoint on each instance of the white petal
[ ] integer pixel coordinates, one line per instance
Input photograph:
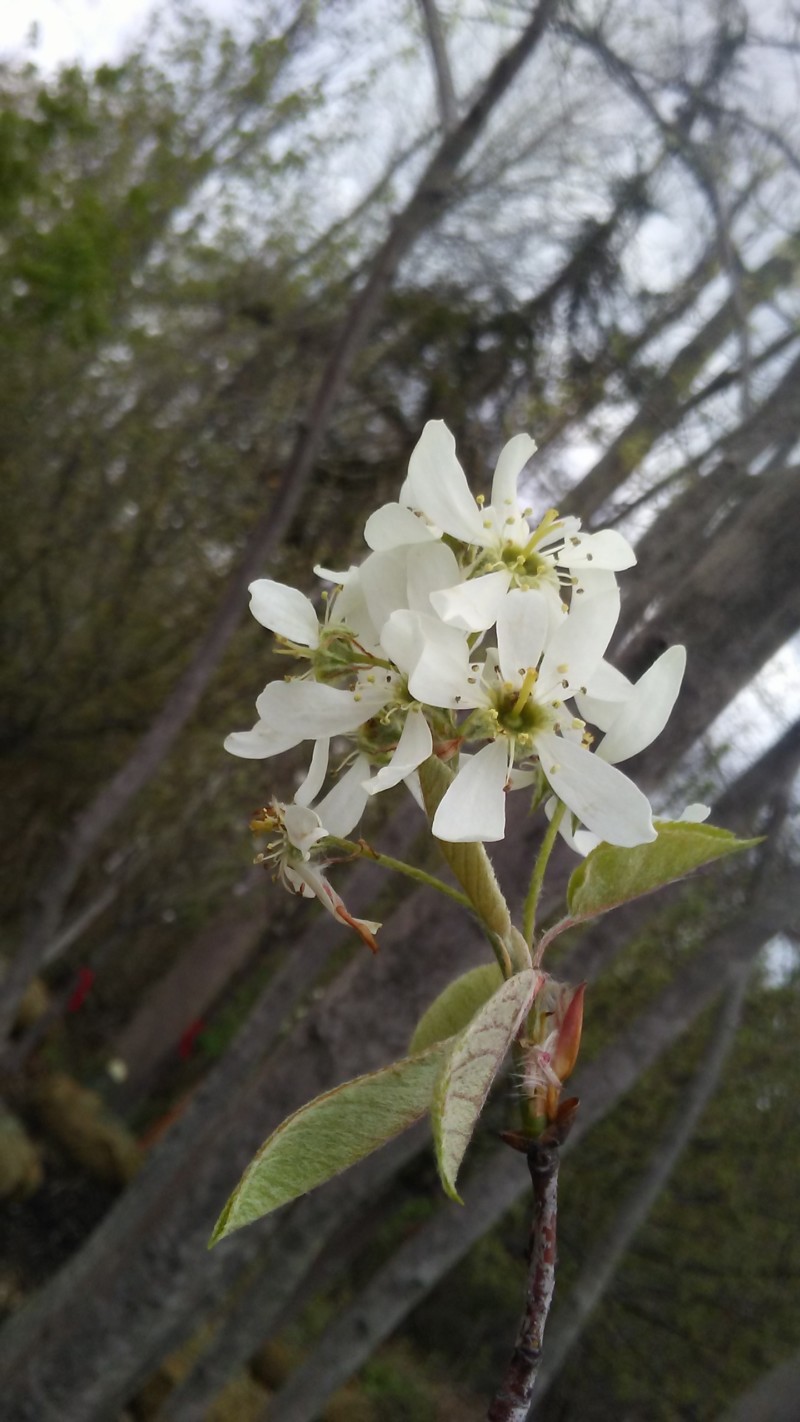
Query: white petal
(309, 709)
(383, 577)
(589, 581)
(521, 630)
(437, 486)
(605, 800)
(695, 814)
(473, 606)
(430, 567)
(303, 828)
(513, 458)
(330, 575)
(317, 771)
(261, 742)
(434, 658)
(607, 692)
(343, 806)
(350, 607)
(605, 549)
(474, 806)
(414, 746)
(285, 611)
(415, 788)
(394, 525)
(648, 708)
(582, 841)
(576, 647)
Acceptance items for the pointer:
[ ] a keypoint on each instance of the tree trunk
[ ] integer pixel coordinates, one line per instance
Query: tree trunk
(774, 1398)
(661, 409)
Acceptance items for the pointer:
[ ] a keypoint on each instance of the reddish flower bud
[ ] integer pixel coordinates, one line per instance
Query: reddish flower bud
(569, 1036)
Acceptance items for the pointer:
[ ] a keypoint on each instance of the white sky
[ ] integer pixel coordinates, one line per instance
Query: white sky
(91, 30)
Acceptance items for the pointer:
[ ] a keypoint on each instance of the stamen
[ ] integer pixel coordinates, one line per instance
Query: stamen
(531, 677)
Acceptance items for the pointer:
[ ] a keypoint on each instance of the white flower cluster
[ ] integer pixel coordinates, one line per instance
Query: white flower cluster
(474, 634)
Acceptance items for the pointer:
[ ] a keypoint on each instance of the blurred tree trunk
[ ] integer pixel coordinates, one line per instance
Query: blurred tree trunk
(774, 1398)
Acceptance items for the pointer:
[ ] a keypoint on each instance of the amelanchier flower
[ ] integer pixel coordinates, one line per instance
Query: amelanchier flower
(295, 852)
(519, 694)
(403, 664)
(499, 549)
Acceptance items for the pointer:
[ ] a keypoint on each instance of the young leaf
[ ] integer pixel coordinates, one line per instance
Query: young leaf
(331, 1133)
(473, 1061)
(610, 876)
(450, 1012)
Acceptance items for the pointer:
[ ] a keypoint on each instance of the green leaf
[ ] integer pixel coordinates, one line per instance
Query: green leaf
(331, 1133)
(450, 1012)
(610, 876)
(469, 862)
(472, 1064)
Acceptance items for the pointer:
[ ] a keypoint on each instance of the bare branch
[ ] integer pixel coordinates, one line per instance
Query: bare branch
(445, 89)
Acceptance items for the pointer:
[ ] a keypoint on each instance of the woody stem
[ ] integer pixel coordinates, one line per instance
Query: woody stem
(513, 1399)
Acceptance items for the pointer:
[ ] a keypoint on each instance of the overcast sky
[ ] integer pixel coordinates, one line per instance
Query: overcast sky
(92, 30)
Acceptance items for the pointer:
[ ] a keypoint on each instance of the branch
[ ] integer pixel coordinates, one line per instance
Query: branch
(513, 1399)
(445, 89)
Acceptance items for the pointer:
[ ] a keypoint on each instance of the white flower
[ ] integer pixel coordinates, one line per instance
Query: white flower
(505, 551)
(524, 688)
(285, 611)
(414, 746)
(300, 829)
(294, 711)
(632, 716)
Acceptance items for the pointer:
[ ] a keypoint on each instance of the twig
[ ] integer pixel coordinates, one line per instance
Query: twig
(445, 88)
(513, 1399)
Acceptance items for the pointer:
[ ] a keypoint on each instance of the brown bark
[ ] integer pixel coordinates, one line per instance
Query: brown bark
(513, 1399)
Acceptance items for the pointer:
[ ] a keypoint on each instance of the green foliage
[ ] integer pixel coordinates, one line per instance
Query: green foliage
(455, 1006)
(471, 1066)
(331, 1133)
(611, 876)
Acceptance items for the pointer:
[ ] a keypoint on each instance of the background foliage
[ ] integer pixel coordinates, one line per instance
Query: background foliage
(611, 266)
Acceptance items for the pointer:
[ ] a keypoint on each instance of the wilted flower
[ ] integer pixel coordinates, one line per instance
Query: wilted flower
(298, 830)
